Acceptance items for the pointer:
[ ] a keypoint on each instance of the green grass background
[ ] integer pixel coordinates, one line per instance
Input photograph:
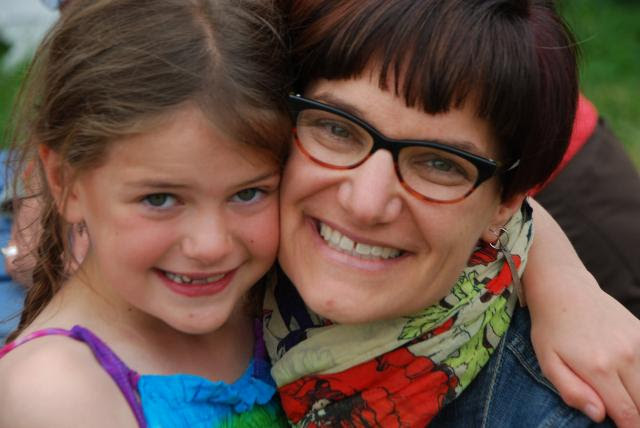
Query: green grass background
(608, 32)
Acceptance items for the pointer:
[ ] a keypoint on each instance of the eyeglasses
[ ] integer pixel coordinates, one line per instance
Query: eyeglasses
(429, 170)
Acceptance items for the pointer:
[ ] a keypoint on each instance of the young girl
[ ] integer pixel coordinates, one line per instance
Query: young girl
(158, 129)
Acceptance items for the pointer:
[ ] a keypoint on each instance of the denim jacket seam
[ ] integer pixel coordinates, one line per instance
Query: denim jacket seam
(494, 375)
(515, 345)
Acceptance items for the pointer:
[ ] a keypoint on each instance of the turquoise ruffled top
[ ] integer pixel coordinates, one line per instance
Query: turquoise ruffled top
(182, 400)
(192, 401)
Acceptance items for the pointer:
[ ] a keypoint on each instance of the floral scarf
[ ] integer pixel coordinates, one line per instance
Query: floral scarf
(398, 372)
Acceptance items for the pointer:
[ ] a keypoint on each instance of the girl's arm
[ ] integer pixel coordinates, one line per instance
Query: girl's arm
(587, 343)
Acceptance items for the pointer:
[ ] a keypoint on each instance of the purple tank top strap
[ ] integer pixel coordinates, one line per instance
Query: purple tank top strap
(123, 376)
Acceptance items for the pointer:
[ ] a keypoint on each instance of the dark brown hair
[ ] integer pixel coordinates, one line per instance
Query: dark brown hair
(109, 68)
(515, 59)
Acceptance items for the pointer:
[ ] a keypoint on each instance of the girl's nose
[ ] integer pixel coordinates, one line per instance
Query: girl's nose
(208, 240)
(370, 192)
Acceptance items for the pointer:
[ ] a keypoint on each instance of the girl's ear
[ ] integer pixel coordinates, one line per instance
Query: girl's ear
(505, 210)
(64, 193)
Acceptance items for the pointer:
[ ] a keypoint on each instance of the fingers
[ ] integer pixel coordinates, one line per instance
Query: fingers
(630, 373)
(621, 396)
(574, 391)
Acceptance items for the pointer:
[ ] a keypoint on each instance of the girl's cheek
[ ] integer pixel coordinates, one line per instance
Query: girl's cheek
(263, 233)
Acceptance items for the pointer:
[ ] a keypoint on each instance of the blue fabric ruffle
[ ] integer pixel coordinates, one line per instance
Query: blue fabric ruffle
(193, 401)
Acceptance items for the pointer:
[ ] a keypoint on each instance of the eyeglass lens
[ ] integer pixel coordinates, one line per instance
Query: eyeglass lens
(431, 172)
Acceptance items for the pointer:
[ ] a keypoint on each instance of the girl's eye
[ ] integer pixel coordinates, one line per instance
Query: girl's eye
(248, 195)
(159, 200)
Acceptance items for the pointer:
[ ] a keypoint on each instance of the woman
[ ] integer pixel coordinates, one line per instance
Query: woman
(376, 236)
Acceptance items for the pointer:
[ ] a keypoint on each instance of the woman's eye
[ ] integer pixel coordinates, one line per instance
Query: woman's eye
(339, 131)
(334, 128)
(159, 200)
(248, 195)
(442, 165)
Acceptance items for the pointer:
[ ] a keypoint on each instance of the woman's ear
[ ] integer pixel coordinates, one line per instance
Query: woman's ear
(505, 210)
(63, 191)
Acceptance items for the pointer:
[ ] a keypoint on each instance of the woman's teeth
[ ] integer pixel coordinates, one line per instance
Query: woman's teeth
(182, 279)
(346, 245)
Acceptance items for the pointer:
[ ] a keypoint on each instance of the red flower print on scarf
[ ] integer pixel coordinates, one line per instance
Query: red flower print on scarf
(398, 389)
(501, 281)
(484, 255)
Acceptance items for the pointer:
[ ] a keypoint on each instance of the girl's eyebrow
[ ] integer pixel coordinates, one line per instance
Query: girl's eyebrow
(153, 183)
(163, 184)
(259, 178)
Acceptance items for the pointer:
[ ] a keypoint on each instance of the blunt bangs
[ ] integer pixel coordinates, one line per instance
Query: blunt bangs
(513, 59)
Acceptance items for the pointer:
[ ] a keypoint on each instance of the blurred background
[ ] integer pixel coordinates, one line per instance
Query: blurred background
(608, 32)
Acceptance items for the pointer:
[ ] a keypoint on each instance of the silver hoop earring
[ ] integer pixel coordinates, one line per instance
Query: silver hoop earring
(501, 245)
(498, 243)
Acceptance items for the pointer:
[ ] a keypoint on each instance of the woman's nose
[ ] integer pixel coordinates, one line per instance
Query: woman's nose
(207, 240)
(370, 192)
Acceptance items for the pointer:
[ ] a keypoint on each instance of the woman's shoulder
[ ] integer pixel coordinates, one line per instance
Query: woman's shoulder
(511, 389)
(56, 381)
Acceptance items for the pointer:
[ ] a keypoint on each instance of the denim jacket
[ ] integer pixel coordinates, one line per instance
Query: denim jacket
(511, 391)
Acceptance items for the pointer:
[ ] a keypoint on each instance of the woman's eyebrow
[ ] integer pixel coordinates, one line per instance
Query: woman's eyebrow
(332, 100)
(339, 103)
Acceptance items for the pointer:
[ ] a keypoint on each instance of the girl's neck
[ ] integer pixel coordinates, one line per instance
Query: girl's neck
(145, 343)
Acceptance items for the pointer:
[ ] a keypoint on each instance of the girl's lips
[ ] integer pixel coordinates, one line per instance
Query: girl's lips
(197, 285)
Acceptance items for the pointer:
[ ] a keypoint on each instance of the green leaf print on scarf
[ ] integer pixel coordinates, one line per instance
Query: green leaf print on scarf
(475, 353)
(427, 321)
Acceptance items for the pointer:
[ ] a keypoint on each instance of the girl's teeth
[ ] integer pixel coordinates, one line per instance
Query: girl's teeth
(183, 279)
(344, 244)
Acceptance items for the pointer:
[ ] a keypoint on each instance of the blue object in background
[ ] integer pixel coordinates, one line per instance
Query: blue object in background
(11, 294)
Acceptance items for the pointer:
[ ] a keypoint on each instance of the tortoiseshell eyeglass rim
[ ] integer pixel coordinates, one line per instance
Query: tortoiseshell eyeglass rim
(487, 168)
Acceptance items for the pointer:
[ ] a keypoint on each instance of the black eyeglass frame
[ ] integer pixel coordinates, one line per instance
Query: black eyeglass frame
(486, 167)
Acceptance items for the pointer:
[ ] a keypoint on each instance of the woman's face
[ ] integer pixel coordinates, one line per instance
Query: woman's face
(422, 246)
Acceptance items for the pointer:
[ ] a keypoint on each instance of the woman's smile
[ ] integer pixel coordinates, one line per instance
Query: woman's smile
(351, 251)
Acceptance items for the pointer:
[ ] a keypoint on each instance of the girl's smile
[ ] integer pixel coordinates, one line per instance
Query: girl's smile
(196, 285)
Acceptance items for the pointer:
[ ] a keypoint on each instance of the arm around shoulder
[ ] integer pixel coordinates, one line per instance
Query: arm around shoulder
(587, 343)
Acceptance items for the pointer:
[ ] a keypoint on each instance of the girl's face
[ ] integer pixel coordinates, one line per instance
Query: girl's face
(416, 249)
(182, 222)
